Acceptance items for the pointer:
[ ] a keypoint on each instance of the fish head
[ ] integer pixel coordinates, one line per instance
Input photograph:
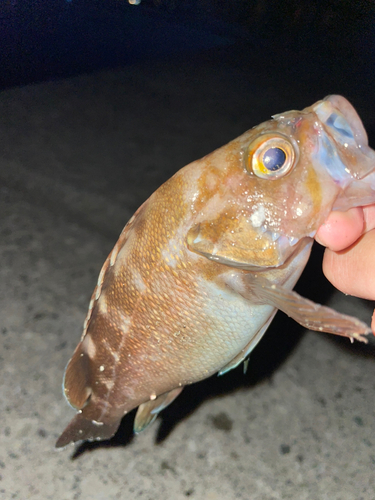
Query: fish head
(278, 183)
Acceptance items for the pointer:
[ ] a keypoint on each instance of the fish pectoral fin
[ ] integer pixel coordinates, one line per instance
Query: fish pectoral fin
(82, 428)
(244, 353)
(307, 313)
(147, 412)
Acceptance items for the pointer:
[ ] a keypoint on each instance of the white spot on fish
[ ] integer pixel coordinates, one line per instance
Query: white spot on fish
(100, 280)
(125, 322)
(116, 357)
(115, 354)
(95, 422)
(87, 319)
(153, 397)
(138, 281)
(88, 346)
(102, 304)
(114, 254)
(169, 256)
(101, 368)
(109, 384)
(258, 216)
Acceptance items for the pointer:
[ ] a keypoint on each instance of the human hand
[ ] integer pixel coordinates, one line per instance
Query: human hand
(349, 259)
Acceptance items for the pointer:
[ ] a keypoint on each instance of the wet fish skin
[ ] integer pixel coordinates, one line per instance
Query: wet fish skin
(201, 268)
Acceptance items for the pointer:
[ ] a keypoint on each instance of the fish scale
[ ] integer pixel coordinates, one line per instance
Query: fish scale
(203, 265)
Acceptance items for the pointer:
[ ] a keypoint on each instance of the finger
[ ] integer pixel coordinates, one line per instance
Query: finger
(353, 270)
(342, 229)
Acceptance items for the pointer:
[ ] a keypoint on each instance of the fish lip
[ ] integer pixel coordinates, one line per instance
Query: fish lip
(340, 104)
(284, 246)
(300, 243)
(296, 248)
(287, 246)
(340, 169)
(369, 153)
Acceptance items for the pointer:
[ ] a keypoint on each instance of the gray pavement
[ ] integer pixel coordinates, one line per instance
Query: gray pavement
(77, 157)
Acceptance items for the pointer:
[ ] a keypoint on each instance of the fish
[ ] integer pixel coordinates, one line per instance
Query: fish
(201, 268)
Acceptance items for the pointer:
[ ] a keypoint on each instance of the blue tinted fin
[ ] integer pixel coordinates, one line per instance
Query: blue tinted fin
(244, 353)
(147, 412)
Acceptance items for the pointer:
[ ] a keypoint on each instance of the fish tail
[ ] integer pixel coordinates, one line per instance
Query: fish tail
(95, 419)
(82, 428)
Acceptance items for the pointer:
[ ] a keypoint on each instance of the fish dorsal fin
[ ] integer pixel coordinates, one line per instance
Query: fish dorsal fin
(77, 388)
(147, 412)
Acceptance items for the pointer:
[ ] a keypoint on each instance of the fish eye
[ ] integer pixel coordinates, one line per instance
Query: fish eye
(274, 159)
(271, 156)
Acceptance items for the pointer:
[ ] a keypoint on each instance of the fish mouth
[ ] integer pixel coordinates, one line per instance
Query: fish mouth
(282, 240)
(285, 245)
(274, 251)
(344, 128)
(339, 104)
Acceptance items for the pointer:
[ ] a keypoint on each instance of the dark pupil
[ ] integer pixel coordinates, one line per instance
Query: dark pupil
(274, 158)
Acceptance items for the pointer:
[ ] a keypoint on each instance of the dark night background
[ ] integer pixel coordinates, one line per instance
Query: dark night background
(101, 102)
(42, 40)
(303, 50)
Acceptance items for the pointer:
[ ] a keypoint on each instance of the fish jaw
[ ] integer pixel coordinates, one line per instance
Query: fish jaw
(344, 151)
(268, 249)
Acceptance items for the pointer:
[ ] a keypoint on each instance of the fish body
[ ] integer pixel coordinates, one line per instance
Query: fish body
(201, 268)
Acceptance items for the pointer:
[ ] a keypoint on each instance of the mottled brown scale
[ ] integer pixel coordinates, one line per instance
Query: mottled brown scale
(196, 276)
(145, 344)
